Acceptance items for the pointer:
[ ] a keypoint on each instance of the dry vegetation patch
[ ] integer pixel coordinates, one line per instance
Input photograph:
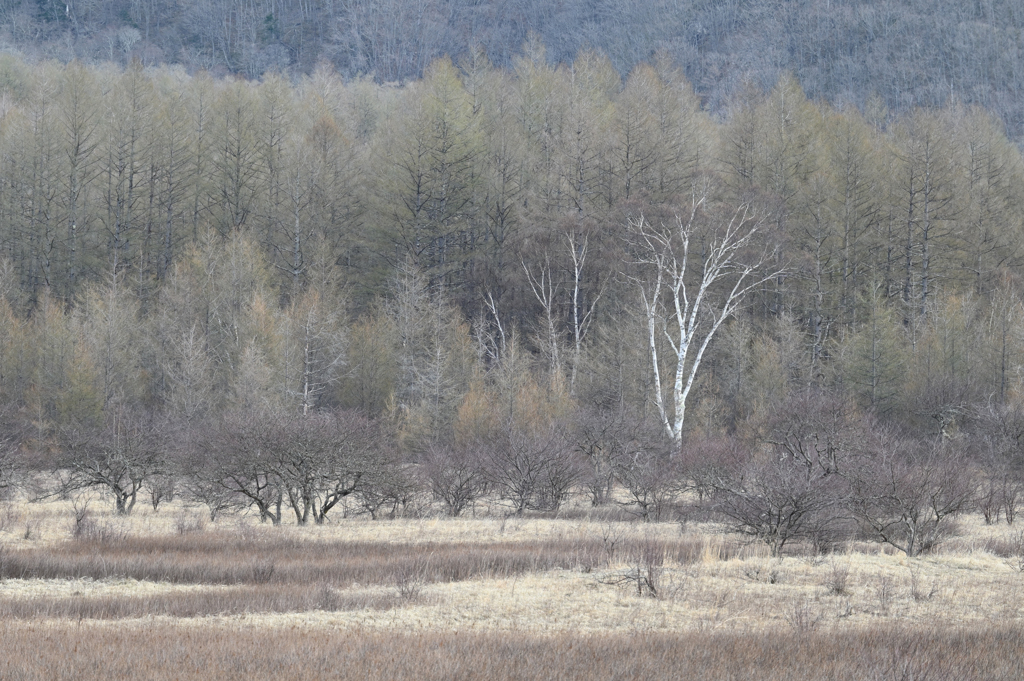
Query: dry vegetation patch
(158, 650)
(236, 598)
(225, 558)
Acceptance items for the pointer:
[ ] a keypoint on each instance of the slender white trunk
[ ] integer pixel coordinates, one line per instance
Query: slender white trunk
(688, 308)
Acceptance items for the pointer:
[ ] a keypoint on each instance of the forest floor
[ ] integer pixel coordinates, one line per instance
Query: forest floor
(590, 595)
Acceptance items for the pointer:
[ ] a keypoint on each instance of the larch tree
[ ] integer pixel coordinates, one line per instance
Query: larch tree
(314, 349)
(108, 317)
(238, 166)
(427, 185)
(79, 124)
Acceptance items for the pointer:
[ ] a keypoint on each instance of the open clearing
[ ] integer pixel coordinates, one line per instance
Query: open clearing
(165, 595)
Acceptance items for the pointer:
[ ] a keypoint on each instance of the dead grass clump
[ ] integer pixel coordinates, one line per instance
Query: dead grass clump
(159, 652)
(918, 589)
(98, 532)
(804, 618)
(609, 513)
(410, 579)
(764, 571)
(693, 549)
(1010, 549)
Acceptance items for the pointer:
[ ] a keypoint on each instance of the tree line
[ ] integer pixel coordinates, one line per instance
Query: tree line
(910, 54)
(453, 278)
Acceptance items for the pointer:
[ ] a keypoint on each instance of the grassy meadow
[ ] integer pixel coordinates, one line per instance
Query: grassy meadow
(591, 594)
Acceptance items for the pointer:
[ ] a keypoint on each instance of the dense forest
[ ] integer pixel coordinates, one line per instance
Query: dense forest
(528, 282)
(911, 53)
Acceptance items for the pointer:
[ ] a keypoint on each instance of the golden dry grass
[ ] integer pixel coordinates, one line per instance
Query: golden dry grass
(549, 583)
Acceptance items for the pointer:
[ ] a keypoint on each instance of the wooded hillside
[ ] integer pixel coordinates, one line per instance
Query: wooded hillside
(507, 199)
(913, 53)
(486, 262)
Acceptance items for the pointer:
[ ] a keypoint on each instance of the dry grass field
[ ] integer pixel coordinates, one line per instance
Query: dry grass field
(167, 595)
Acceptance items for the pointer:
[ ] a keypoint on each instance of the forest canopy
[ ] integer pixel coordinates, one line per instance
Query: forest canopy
(167, 216)
(462, 271)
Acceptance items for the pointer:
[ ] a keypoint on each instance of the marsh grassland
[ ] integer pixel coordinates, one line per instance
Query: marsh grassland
(588, 595)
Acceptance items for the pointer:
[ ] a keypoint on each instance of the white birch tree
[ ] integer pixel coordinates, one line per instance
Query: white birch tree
(694, 274)
(548, 288)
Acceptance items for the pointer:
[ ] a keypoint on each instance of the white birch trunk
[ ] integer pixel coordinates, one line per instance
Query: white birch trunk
(686, 302)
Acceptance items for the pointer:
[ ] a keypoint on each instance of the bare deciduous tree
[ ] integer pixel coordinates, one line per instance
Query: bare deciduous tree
(242, 464)
(8, 468)
(455, 474)
(777, 500)
(905, 492)
(118, 457)
(308, 462)
(694, 275)
(532, 468)
(548, 291)
(632, 451)
(793, 483)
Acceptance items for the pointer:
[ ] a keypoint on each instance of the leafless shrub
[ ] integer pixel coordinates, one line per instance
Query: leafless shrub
(409, 579)
(532, 468)
(998, 444)
(837, 578)
(594, 436)
(1013, 553)
(647, 560)
(162, 487)
(199, 468)
(645, 464)
(262, 571)
(80, 513)
(648, 476)
(387, 491)
(87, 528)
(917, 587)
(990, 501)
(767, 572)
(907, 494)
(12, 463)
(804, 618)
(454, 474)
(778, 498)
(1013, 491)
(9, 515)
(885, 591)
(189, 523)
